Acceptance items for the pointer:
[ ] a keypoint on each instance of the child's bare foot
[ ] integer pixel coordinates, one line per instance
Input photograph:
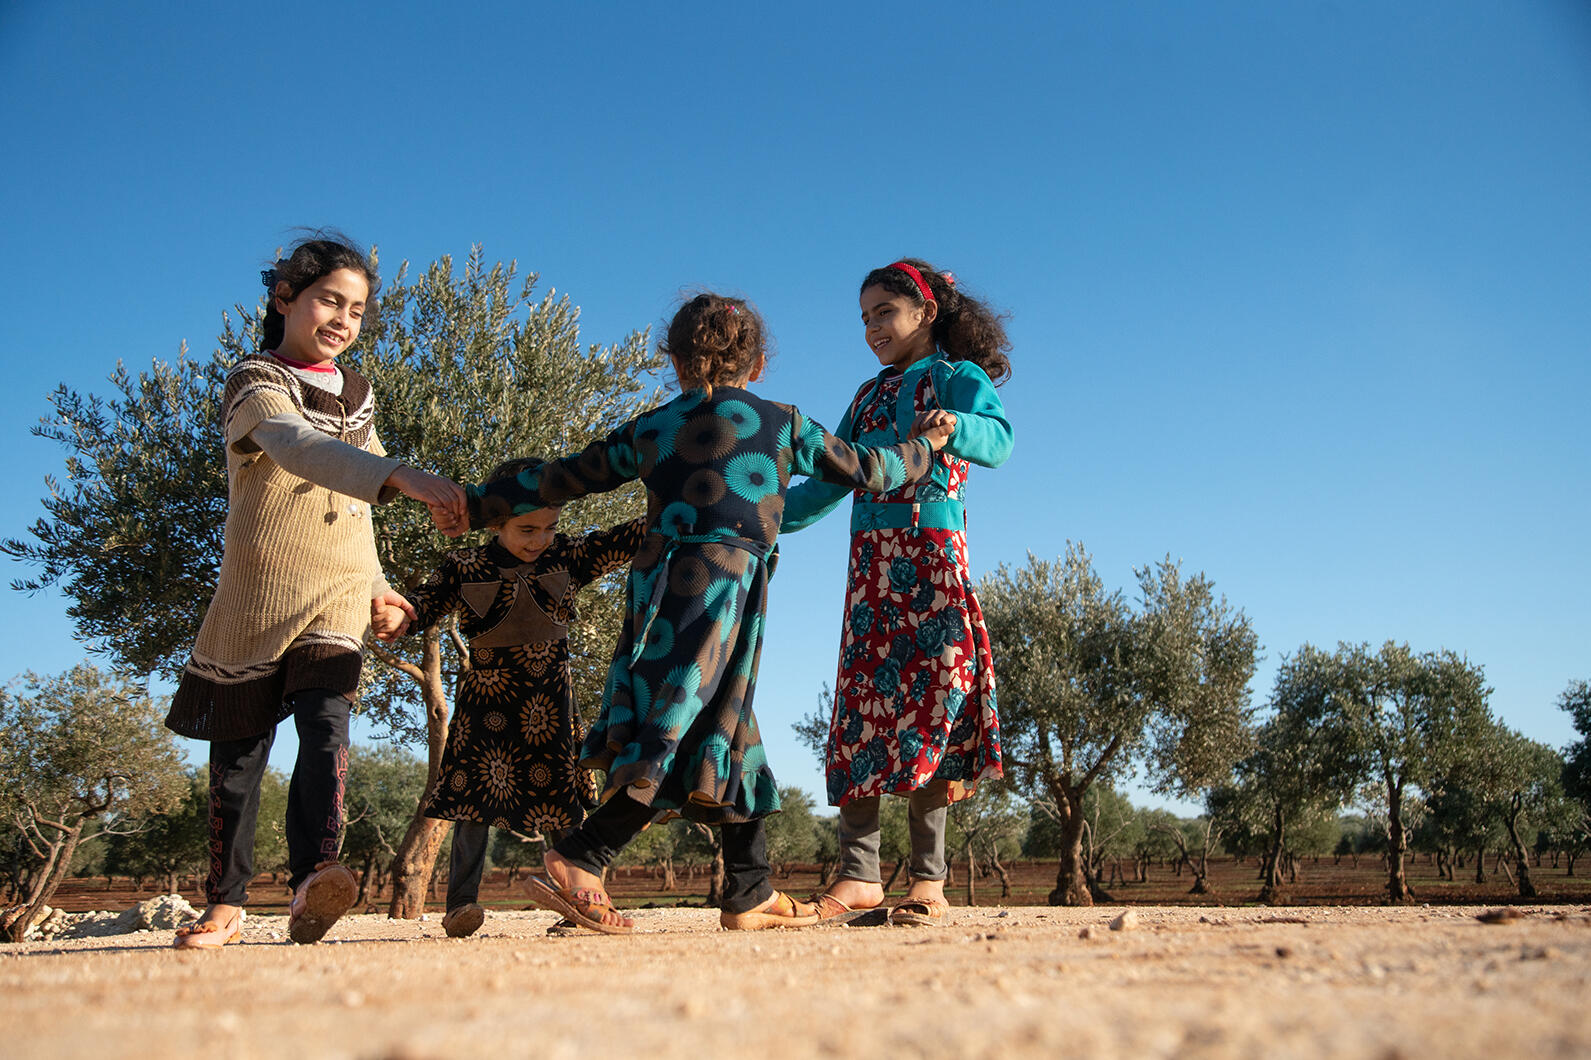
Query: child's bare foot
(584, 888)
(923, 906)
(846, 897)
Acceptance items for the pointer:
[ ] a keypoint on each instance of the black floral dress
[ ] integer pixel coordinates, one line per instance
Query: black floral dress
(677, 731)
(511, 754)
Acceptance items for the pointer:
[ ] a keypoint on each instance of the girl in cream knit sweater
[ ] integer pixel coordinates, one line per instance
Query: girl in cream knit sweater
(298, 588)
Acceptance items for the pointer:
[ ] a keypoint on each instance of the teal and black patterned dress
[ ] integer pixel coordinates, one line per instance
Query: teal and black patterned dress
(677, 731)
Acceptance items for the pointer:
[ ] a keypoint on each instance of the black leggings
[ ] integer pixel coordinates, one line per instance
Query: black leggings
(595, 844)
(314, 796)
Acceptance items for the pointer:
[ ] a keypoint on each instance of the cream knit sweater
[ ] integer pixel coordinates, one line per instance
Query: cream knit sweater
(292, 602)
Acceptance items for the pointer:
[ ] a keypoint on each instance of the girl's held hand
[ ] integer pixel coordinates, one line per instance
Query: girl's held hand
(443, 497)
(390, 615)
(935, 426)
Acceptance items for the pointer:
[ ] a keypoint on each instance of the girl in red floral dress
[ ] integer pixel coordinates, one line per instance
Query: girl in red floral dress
(914, 705)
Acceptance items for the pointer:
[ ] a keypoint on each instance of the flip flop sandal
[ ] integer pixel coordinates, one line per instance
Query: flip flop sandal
(577, 906)
(209, 934)
(464, 921)
(919, 912)
(320, 900)
(832, 912)
(783, 912)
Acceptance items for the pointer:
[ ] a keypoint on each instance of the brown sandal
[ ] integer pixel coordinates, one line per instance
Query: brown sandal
(584, 906)
(919, 912)
(464, 921)
(209, 934)
(319, 901)
(782, 912)
(833, 912)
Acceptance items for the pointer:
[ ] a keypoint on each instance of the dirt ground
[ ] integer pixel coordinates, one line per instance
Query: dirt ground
(1021, 981)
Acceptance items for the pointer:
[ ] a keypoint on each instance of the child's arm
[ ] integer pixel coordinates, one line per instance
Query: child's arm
(604, 551)
(876, 469)
(983, 435)
(372, 476)
(437, 596)
(807, 502)
(605, 464)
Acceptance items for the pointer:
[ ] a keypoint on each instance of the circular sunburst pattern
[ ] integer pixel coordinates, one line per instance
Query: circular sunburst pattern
(703, 489)
(539, 775)
(688, 576)
(538, 718)
(489, 683)
(459, 780)
(496, 771)
(752, 476)
(706, 438)
(545, 817)
(495, 721)
(679, 518)
(743, 416)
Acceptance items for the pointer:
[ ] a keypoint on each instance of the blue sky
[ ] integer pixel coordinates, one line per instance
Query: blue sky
(1298, 292)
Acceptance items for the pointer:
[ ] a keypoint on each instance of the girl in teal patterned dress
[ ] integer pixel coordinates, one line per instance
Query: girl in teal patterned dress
(677, 733)
(914, 705)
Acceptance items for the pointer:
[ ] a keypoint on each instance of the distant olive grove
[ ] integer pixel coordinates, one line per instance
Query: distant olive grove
(1366, 750)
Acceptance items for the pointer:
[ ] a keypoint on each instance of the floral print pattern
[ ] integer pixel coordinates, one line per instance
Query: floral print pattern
(914, 704)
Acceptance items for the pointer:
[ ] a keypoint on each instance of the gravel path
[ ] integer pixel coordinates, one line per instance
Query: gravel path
(1188, 983)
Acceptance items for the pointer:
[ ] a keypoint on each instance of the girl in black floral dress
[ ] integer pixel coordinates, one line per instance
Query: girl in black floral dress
(511, 759)
(677, 733)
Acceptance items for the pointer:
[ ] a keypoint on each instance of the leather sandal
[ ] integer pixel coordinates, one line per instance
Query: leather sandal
(919, 912)
(833, 912)
(319, 901)
(464, 921)
(209, 934)
(584, 906)
(782, 912)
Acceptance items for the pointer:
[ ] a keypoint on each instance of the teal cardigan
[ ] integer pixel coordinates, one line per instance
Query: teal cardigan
(982, 436)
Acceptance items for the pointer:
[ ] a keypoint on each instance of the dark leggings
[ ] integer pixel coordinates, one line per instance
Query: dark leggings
(314, 796)
(595, 844)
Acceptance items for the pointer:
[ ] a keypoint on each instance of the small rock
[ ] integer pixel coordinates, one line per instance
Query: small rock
(352, 998)
(1284, 951)
(1127, 921)
(1003, 912)
(1085, 933)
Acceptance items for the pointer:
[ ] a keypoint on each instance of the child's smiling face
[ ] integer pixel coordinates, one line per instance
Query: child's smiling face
(323, 320)
(897, 330)
(527, 536)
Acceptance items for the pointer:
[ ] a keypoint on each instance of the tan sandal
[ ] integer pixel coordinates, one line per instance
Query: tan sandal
(319, 901)
(585, 906)
(919, 912)
(782, 912)
(209, 934)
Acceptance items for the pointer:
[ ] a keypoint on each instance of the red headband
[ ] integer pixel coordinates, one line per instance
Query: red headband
(917, 278)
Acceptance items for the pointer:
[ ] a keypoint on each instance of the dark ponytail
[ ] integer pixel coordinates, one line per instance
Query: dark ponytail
(965, 328)
(318, 254)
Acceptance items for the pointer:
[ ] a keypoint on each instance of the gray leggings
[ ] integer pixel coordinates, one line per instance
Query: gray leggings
(926, 813)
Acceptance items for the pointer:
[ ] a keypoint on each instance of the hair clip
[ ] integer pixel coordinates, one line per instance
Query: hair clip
(268, 278)
(733, 308)
(948, 277)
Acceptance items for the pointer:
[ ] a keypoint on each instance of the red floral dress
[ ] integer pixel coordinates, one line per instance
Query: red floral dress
(914, 704)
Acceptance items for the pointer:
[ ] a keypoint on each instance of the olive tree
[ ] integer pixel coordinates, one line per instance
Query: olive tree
(1093, 688)
(84, 755)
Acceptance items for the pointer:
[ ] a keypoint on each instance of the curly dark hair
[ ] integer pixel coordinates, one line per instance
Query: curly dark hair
(714, 340)
(966, 329)
(321, 252)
